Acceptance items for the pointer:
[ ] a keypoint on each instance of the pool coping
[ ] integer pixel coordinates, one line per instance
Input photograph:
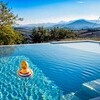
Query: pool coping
(20, 44)
(74, 41)
(54, 42)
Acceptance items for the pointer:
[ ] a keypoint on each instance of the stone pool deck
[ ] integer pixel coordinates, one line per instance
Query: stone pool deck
(74, 41)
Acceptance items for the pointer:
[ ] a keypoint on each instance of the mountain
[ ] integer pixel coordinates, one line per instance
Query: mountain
(95, 21)
(31, 26)
(79, 24)
(74, 24)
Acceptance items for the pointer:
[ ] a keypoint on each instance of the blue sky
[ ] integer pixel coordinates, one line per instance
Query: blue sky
(42, 11)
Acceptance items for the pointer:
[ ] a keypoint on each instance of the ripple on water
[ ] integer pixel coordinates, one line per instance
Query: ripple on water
(13, 87)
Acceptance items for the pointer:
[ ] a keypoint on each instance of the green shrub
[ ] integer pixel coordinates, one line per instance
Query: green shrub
(9, 36)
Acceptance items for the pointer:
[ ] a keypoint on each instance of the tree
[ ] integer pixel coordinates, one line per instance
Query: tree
(7, 33)
(10, 36)
(41, 34)
(7, 18)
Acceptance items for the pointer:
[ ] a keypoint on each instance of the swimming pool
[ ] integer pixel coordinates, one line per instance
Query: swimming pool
(66, 65)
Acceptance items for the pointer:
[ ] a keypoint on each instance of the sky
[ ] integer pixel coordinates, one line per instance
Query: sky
(43, 11)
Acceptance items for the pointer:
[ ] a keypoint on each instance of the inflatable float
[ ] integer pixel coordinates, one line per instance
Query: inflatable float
(25, 70)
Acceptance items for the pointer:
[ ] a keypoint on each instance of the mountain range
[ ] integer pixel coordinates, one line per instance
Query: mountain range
(74, 25)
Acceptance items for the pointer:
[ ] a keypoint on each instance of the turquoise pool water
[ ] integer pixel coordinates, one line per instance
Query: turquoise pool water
(13, 87)
(66, 67)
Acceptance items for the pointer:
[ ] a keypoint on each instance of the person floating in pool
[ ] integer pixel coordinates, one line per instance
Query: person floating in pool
(25, 71)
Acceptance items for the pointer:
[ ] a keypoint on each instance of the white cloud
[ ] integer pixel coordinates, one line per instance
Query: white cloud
(80, 2)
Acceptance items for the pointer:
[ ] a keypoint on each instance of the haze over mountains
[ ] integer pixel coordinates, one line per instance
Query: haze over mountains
(74, 25)
(79, 24)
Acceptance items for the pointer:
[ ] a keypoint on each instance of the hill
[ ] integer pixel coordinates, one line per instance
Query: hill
(73, 25)
(79, 24)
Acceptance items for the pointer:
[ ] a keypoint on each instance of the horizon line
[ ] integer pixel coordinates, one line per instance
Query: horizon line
(54, 22)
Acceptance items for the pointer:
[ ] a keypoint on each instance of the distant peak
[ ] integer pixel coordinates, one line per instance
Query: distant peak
(61, 22)
(81, 20)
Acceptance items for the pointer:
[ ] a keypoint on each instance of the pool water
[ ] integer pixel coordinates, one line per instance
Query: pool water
(91, 47)
(67, 66)
(14, 87)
